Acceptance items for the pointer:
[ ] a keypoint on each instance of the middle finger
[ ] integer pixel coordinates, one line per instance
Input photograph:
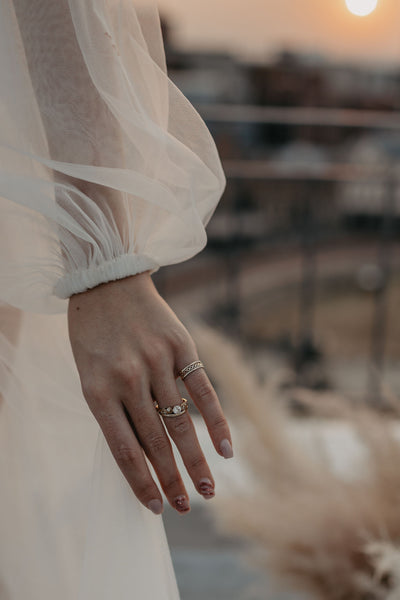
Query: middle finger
(154, 441)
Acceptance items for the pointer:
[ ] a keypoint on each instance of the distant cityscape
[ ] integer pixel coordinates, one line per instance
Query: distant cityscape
(303, 249)
(273, 163)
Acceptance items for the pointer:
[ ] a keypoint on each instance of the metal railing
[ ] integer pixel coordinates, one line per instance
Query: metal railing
(305, 176)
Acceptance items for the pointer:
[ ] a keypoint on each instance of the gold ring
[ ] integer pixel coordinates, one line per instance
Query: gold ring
(197, 364)
(172, 411)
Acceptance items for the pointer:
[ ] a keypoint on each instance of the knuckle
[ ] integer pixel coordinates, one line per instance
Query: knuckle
(119, 369)
(145, 490)
(155, 353)
(220, 422)
(157, 442)
(172, 484)
(205, 392)
(106, 418)
(128, 374)
(181, 426)
(180, 338)
(125, 455)
(197, 462)
(97, 396)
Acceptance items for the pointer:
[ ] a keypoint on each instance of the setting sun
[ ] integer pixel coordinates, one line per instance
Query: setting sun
(361, 8)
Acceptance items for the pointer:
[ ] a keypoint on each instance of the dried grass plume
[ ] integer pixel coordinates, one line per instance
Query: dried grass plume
(314, 530)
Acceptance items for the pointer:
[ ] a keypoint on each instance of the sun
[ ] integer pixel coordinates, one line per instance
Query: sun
(361, 8)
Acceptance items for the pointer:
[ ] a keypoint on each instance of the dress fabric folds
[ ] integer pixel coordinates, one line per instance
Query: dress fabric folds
(106, 170)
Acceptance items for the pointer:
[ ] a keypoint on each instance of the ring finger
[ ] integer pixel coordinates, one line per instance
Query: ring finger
(183, 433)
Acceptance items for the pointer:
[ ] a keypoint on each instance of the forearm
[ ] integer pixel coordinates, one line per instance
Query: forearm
(122, 173)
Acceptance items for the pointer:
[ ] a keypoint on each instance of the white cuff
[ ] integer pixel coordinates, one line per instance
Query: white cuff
(117, 268)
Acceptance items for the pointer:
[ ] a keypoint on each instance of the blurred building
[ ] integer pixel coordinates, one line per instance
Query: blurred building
(282, 175)
(310, 149)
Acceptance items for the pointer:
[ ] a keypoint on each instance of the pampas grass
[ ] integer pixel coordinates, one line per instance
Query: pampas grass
(313, 529)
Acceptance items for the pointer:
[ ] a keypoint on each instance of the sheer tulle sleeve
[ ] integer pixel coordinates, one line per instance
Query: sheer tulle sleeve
(106, 169)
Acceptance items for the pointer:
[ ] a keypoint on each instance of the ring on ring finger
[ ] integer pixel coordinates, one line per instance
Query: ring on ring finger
(172, 411)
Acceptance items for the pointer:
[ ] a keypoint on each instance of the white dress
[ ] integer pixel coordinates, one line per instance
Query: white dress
(106, 170)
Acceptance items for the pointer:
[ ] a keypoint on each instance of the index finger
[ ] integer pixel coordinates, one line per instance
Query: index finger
(204, 396)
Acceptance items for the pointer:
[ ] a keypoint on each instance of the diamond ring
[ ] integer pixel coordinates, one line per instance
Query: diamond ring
(172, 411)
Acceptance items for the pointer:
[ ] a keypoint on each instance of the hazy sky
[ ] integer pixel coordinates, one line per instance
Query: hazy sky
(259, 27)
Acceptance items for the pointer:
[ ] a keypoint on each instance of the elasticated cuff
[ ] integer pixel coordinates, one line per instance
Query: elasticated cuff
(118, 268)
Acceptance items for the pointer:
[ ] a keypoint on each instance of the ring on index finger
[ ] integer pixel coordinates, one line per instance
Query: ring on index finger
(197, 364)
(172, 411)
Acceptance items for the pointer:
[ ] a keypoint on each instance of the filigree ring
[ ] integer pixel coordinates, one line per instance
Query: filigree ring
(197, 364)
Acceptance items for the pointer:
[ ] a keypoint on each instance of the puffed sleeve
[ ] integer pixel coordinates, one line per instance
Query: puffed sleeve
(106, 169)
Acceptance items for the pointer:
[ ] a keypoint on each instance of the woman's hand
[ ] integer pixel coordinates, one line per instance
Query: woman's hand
(129, 347)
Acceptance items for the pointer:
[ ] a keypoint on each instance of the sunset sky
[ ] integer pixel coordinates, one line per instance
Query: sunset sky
(257, 28)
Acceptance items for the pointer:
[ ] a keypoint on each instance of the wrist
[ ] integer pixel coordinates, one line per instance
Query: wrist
(134, 285)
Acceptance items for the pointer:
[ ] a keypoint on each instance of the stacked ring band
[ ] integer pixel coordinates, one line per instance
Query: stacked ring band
(197, 364)
(172, 411)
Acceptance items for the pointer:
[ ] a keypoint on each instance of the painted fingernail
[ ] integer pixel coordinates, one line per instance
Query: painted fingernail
(155, 506)
(182, 504)
(226, 449)
(206, 488)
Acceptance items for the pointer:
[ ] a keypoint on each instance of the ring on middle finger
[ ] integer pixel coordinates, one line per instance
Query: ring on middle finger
(172, 411)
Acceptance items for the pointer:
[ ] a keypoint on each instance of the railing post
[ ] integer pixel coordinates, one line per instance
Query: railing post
(305, 350)
(380, 316)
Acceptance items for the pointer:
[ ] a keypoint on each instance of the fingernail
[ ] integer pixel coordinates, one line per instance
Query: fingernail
(182, 504)
(155, 506)
(226, 449)
(206, 488)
